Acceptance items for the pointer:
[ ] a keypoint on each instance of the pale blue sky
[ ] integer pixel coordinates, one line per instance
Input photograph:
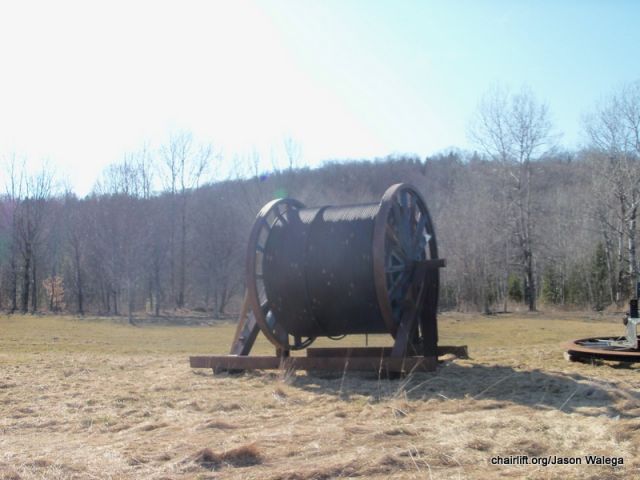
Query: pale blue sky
(84, 82)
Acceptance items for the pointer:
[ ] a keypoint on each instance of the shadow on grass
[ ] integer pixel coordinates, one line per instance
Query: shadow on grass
(501, 384)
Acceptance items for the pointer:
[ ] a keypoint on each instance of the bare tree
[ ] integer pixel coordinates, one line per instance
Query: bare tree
(123, 236)
(75, 230)
(133, 176)
(514, 129)
(613, 129)
(293, 152)
(30, 218)
(14, 193)
(217, 234)
(184, 165)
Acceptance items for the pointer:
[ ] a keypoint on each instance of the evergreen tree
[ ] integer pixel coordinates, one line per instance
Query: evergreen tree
(515, 288)
(552, 285)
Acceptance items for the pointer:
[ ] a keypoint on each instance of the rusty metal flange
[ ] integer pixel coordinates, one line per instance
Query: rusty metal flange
(596, 348)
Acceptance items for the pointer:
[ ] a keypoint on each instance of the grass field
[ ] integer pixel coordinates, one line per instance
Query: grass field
(92, 398)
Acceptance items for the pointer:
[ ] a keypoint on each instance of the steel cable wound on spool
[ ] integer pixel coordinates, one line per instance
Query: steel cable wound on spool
(332, 271)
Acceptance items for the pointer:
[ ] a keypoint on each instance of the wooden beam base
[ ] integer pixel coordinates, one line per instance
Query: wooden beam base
(371, 359)
(336, 364)
(459, 351)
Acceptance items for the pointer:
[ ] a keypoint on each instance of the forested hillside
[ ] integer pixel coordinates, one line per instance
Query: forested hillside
(519, 221)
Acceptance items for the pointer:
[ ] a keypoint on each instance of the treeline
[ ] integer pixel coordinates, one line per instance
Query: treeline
(518, 221)
(125, 251)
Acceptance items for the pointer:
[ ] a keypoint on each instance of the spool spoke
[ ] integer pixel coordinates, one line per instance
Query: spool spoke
(412, 215)
(398, 282)
(402, 224)
(280, 214)
(262, 296)
(399, 255)
(419, 236)
(404, 198)
(396, 268)
(392, 235)
(397, 213)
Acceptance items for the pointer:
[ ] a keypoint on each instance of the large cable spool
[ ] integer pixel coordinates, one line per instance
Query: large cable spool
(333, 271)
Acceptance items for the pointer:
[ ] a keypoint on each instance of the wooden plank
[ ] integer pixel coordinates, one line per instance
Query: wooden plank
(433, 263)
(459, 351)
(429, 320)
(246, 331)
(408, 322)
(372, 364)
(241, 320)
(338, 364)
(344, 352)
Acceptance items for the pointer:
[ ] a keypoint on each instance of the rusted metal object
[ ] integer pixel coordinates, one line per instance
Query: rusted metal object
(600, 348)
(624, 348)
(334, 271)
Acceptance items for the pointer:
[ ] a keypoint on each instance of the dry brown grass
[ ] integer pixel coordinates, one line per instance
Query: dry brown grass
(244, 456)
(93, 399)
